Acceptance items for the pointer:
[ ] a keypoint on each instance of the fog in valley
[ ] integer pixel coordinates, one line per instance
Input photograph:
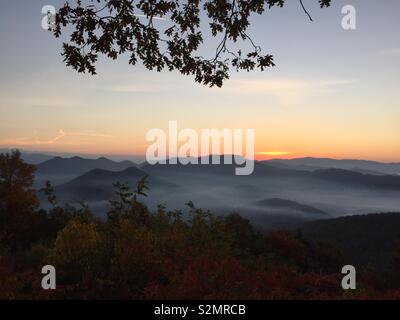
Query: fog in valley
(277, 194)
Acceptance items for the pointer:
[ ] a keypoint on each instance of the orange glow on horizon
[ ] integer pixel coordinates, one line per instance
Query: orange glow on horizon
(273, 153)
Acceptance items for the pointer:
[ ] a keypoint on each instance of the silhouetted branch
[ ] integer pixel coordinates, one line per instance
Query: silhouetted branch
(305, 10)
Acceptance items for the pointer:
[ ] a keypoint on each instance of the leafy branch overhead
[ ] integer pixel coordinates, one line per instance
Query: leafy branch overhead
(115, 27)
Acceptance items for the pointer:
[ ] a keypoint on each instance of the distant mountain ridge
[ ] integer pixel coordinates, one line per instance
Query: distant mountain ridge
(362, 166)
(73, 167)
(351, 178)
(77, 165)
(331, 190)
(97, 184)
(30, 157)
(265, 169)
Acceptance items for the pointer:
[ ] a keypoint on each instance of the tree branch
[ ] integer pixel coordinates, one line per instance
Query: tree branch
(305, 10)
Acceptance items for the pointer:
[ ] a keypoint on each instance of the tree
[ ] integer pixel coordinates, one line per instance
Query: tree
(14, 172)
(16, 179)
(115, 27)
(76, 249)
(125, 201)
(18, 200)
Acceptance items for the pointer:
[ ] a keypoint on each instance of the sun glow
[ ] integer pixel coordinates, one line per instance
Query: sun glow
(273, 153)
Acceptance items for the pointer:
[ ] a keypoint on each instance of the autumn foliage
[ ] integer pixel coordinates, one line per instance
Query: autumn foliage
(139, 254)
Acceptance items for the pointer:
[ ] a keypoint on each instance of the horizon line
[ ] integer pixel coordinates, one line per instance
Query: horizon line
(67, 154)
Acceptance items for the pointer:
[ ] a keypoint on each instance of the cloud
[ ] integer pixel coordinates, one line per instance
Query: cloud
(45, 102)
(279, 85)
(286, 91)
(133, 88)
(61, 135)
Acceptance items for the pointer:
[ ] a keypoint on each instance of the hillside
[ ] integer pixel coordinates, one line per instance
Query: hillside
(78, 165)
(365, 240)
(97, 184)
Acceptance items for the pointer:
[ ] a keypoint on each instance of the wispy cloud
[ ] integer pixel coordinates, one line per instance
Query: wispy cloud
(133, 88)
(59, 138)
(62, 134)
(44, 102)
(286, 91)
(278, 85)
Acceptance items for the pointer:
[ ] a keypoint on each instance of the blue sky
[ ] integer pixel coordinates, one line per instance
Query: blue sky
(333, 92)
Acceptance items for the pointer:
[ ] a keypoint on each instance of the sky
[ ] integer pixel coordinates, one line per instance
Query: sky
(334, 92)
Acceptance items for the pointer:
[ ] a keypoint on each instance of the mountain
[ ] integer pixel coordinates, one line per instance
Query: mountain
(365, 240)
(362, 166)
(174, 165)
(35, 158)
(97, 184)
(288, 205)
(78, 165)
(260, 169)
(63, 169)
(30, 157)
(264, 169)
(351, 178)
(60, 170)
(320, 193)
(332, 191)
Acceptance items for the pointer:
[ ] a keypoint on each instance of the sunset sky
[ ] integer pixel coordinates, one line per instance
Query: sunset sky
(333, 93)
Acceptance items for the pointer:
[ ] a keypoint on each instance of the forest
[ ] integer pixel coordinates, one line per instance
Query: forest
(136, 253)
